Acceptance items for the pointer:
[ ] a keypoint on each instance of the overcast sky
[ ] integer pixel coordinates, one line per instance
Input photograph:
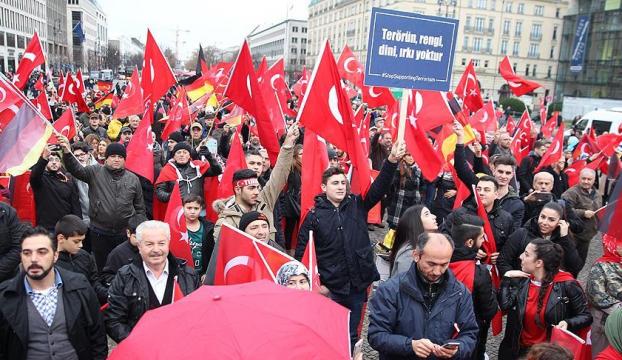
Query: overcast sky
(222, 23)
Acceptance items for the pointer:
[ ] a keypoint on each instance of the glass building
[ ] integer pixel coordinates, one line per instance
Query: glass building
(598, 73)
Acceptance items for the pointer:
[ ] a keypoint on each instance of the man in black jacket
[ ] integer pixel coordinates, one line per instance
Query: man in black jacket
(122, 255)
(48, 312)
(146, 285)
(70, 232)
(11, 230)
(339, 223)
(56, 193)
(115, 195)
(528, 165)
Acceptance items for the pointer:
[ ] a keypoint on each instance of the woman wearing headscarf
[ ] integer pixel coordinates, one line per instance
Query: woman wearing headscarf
(613, 330)
(604, 289)
(293, 275)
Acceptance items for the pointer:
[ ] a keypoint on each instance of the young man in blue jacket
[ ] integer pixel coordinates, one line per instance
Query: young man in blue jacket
(424, 313)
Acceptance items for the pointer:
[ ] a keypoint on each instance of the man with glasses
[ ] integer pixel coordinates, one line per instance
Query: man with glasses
(55, 191)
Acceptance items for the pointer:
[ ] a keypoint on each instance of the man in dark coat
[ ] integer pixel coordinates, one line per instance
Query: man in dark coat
(528, 165)
(146, 285)
(123, 254)
(339, 223)
(11, 230)
(48, 312)
(414, 314)
(56, 193)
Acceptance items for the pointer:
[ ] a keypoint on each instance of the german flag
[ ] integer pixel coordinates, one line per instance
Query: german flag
(198, 89)
(104, 86)
(105, 100)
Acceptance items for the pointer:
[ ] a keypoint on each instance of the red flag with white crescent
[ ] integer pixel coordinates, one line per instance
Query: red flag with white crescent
(65, 125)
(309, 260)
(32, 57)
(140, 151)
(180, 241)
(41, 102)
(517, 84)
(468, 89)
(554, 152)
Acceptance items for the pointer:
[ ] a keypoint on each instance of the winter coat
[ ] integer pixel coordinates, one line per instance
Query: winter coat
(567, 302)
(85, 327)
(500, 220)
(398, 314)
(11, 230)
(581, 200)
(441, 206)
(56, 195)
(230, 212)
(100, 132)
(403, 260)
(191, 180)
(604, 285)
(83, 263)
(526, 171)
(403, 194)
(290, 198)
(509, 255)
(533, 209)
(124, 254)
(128, 296)
(560, 181)
(115, 195)
(345, 255)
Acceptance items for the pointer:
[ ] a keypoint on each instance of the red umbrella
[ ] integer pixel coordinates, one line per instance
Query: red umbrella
(258, 320)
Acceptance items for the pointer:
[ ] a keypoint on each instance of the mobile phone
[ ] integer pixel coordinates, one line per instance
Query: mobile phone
(451, 345)
(543, 196)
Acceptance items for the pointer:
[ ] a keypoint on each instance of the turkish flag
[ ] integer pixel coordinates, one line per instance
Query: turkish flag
(39, 83)
(262, 68)
(272, 104)
(235, 161)
(240, 258)
(177, 293)
(422, 151)
(140, 151)
(32, 57)
(376, 96)
(309, 260)
(468, 89)
(180, 242)
(315, 158)
(566, 339)
(587, 145)
(72, 93)
(430, 108)
(65, 125)
(132, 99)
(607, 143)
(573, 170)
(300, 87)
(554, 152)
(548, 128)
(510, 125)
(41, 102)
(521, 143)
(80, 81)
(24, 198)
(484, 119)
(8, 96)
(326, 110)
(61, 82)
(179, 114)
(543, 112)
(517, 84)
(350, 68)
(276, 76)
(243, 89)
(363, 130)
(156, 77)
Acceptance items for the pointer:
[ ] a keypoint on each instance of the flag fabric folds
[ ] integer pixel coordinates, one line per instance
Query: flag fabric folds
(32, 57)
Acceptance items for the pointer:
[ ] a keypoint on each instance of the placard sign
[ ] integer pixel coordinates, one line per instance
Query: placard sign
(411, 51)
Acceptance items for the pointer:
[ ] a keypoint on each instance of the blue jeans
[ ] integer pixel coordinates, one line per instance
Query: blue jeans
(353, 301)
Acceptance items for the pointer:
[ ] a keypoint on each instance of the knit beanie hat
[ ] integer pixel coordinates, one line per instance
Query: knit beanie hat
(176, 136)
(182, 146)
(115, 148)
(251, 216)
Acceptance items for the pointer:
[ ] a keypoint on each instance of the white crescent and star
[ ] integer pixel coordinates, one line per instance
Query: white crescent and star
(3, 94)
(333, 105)
(345, 65)
(62, 131)
(372, 93)
(237, 261)
(273, 79)
(248, 85)
(29, 56)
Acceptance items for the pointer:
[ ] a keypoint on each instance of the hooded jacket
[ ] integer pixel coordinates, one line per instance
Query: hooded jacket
(567, 302)
(11, 230)
(345, 255)
(398, 315)
(509, 255)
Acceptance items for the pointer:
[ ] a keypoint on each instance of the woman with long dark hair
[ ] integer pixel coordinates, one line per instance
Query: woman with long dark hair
(538, 297)
(414, 221)
(467, 232)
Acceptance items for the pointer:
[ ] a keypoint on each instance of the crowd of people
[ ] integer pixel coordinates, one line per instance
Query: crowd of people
(99, 256)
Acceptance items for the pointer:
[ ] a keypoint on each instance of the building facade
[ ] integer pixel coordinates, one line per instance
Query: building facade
(287, 40)
(601, 72)
(527, 31)
(87, 34)
(58, 50)
(19, 19)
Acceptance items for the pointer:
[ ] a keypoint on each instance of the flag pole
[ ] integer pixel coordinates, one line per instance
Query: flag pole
(403, 113)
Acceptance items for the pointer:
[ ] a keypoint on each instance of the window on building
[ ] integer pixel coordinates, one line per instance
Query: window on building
(302, 61)
(493, 5)
(481, 4)
(10, 40)
(1, 37)
(303, 40)
(294, 40)
(20, 42)
(476, 62)
(479, 24)
(515, 48)
(557, 13)
(304, 30)
(294, 50)
(536, 31)
(467, 22)
(552, 53)
(465, 43)
(508, 7)
(534, 50)
(527, 70)
(294, 28)
(518, 30)
(491, 24)
(555, 32)
(538, 10)
(486, 63)
(506, 27)
(504, 47)
(514, 66)
(520, 9)
(303, 51)
(533, 71)
(463, 62)
(477, 44)
(549, 72)
(292, 61)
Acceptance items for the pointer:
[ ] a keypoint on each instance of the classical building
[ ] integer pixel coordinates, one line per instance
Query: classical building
(287, 39)
(598, 73)
(527, 31)
(87, 34)
(57, 48)
(19, 19)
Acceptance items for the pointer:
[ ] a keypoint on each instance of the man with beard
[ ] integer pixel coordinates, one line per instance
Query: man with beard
(48, 312)
(56, 194)
(115, 196)
(148, 284)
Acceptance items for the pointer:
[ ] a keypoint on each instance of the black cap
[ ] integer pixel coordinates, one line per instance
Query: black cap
(176, 136)
(251, 216)
(115, 148)
(182, 146)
